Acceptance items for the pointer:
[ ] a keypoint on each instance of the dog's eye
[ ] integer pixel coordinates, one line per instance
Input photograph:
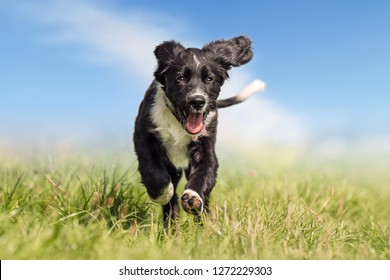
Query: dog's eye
(180, 78)
(209, 79)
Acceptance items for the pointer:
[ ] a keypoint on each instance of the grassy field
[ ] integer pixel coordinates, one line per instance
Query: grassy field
(71, 206)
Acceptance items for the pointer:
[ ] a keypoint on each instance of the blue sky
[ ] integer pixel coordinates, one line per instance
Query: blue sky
(74, 72)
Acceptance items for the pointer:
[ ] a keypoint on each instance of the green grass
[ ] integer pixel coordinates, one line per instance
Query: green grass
(87, 207)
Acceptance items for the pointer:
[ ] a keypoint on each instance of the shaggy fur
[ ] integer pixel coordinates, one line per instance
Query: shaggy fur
(175, 130)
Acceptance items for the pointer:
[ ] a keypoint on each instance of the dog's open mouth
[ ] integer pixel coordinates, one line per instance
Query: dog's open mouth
(194, 123)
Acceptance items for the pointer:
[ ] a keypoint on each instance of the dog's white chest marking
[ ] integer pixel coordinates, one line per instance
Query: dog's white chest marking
(174, 137)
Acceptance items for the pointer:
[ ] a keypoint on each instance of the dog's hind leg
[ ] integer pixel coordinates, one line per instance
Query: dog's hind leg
(171, 210)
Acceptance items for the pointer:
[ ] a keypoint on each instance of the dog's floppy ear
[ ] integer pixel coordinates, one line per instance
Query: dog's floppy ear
(234, 52)
(165, 54)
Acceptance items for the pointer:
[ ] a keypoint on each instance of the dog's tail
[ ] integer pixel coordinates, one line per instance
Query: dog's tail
(243, 95)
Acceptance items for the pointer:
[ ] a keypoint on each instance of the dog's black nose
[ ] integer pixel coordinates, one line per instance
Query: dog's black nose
(198, 102)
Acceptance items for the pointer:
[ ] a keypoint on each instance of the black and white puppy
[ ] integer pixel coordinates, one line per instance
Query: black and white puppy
(176, 126)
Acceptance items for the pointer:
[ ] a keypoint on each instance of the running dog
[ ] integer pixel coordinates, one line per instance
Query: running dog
(176, 127)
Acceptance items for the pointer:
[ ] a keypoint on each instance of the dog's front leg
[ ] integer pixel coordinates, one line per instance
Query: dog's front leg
(201, 176)
(158, 175)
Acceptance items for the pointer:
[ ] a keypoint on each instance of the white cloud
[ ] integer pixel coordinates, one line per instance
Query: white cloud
(127, 40)
(124, 39)
(257, 122)
(339, 147)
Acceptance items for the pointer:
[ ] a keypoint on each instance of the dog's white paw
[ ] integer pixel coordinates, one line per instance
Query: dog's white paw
(165, 195)
(191, 202)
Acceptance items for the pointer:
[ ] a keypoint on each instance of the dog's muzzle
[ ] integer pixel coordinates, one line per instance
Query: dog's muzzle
(192, 119)
(195, 119)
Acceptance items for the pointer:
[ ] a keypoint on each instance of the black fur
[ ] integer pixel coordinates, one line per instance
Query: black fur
(176, 126)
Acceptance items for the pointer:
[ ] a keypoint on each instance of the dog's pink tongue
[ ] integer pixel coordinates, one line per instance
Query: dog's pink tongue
(194, 123)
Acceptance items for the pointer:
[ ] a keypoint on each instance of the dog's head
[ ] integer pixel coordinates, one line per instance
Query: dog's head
(192, 78)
